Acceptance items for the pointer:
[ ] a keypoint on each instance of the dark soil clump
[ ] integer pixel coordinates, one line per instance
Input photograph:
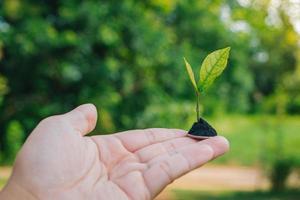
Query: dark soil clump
(202, 129)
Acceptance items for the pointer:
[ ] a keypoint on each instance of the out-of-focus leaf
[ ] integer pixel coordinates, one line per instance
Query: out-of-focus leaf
(212, 66)
(191, 74)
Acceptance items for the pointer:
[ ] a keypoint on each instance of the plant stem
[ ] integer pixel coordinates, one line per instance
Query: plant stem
(197, 106)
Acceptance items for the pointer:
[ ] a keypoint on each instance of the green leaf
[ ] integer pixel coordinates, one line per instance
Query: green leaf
(191, 74)
(212, 66)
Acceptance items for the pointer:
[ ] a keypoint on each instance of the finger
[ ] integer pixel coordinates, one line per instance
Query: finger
(83, 118)
(136, 139)
(182, 161)
(218, 144)
(163, 148)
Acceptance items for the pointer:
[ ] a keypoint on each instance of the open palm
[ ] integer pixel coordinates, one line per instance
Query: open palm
(59, 162)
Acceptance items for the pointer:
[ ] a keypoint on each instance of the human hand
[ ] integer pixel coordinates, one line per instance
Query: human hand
(58, 161)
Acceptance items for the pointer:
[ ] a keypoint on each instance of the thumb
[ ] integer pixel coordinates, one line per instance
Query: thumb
(83, 118)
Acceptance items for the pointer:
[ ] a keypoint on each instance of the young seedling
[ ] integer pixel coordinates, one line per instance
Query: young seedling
(212, 67)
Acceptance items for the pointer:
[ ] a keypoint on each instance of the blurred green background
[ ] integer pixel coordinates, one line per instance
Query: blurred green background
(126, 57)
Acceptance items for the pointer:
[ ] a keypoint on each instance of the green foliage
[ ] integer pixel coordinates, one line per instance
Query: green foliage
(3, 88)
(281, 169)
(158, 115)
(14, 140)
(191, 75)
(124, 56)
(212, 67)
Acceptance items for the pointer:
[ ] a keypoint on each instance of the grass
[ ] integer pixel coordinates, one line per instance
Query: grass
(256, 139)
(2, 182)
(257, 195)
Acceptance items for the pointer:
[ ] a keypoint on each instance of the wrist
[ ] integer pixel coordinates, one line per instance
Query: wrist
(13, 191)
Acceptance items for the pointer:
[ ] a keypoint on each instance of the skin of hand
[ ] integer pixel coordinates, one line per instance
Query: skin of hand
(58, 161)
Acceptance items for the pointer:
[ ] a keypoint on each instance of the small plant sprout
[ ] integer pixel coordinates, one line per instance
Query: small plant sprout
(212, 67)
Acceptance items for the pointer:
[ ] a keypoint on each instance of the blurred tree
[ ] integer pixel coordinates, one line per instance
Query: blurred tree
(13, 141)
(274, 46)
